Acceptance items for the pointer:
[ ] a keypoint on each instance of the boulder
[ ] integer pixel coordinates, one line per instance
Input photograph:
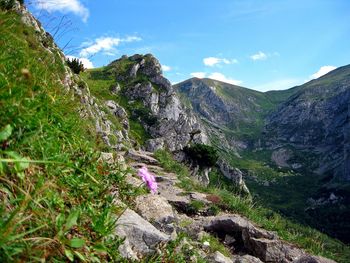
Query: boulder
(142, 157)
(156, 209)
(273, 250)
(141, 237)
(233, 174)
(218, 257)
(107, 157)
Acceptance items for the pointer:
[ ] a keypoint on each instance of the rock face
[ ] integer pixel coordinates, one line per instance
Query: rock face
(317, 118)
(221, 103)
(159, 109)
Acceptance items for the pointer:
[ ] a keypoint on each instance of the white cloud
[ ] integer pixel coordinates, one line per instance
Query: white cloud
(86, 62)
(199, 75)
(213, 61)
(259, 56)
(223, 78)
(64, 6)
(106, 44)
(166, 68)
(322, 71)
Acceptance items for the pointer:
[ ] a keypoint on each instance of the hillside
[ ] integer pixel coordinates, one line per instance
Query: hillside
(75, 182)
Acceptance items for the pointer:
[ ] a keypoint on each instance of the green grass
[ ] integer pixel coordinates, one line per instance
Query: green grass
(55, 196)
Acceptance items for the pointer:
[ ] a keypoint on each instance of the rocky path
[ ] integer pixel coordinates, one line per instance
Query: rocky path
(159, 218)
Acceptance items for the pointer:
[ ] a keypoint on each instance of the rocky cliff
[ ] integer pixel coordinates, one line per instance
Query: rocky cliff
(316, 118)
(152, 100)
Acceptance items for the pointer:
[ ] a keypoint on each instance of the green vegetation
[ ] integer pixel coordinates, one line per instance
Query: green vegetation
(75, 65)
(170, 165)
(204, 155)
(101, 81)
(179, 250)
(215, 245)
(54, 191)
(8, 4)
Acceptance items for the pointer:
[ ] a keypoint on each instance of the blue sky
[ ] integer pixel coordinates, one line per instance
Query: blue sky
(263, 45)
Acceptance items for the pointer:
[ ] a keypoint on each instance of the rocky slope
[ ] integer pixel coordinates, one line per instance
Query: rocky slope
(231, 113)
(151, 99)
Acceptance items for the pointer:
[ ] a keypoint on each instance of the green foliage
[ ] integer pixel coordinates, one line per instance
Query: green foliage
(204, 155)
(180, 250)
(170, 165)
(56, 204)
(8, 4)
(75, 65)
(215, 245)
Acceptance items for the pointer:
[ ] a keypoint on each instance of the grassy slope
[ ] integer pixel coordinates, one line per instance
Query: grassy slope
(100, 81)
(55, 207)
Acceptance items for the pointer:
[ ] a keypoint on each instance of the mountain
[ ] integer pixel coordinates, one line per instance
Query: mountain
(316, 117)
(298, 136)
(225, 105)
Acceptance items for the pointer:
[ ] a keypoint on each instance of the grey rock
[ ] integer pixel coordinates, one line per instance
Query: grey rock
(153, 145)
(156, 209)
(313, 259)
(141, 237)
(246, 259)
(233, 174)
(273, 250)
(115, 89)
(142, 157)
(107, 157)
(218, 257)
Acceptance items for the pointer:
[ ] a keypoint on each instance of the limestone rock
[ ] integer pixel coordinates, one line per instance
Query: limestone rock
(218, 257)
(107, 157)
(142, 157)
(233, 174)
(155, 209)
(141, 237)
(246, 259)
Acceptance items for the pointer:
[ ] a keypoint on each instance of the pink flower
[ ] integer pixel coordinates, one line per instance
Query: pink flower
(148, 178)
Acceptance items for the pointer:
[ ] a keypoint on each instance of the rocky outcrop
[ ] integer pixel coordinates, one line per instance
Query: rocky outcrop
(162, 114)
(233, 174)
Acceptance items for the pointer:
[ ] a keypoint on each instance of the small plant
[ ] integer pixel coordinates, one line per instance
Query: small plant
(204, 155)
(75, 65)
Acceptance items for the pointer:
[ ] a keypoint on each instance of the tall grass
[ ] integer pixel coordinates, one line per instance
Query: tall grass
(56, 201)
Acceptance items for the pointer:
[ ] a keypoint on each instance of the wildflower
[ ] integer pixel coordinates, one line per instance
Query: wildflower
(149, 179)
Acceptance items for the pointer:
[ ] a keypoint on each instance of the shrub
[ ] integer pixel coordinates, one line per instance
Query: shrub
(202, 154)
(76, 65)
(7, 4)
